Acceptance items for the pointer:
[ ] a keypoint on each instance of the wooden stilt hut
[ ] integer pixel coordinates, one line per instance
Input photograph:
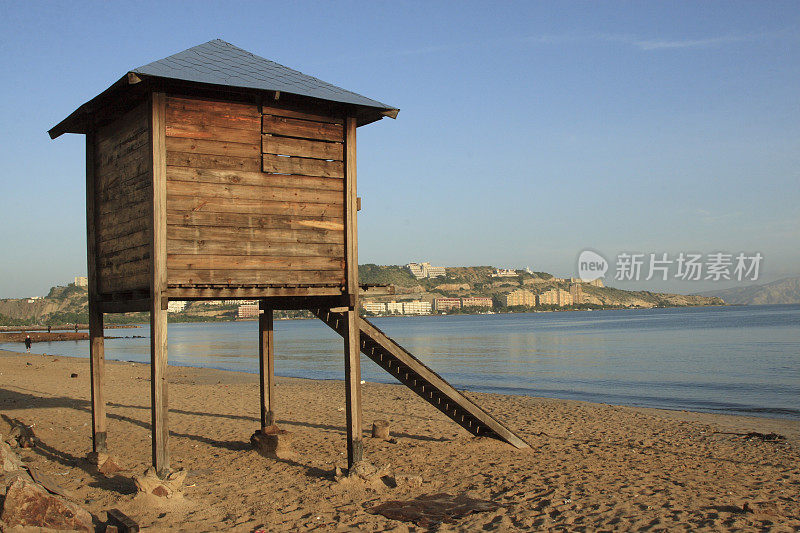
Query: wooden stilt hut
(217, 174)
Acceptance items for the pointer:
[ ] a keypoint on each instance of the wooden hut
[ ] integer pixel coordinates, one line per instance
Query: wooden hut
(217, 174)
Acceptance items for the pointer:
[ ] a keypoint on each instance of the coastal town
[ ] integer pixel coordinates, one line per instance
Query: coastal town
(419, 289)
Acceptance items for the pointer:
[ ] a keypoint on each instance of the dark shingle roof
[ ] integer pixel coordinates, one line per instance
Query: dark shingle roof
(220, 63)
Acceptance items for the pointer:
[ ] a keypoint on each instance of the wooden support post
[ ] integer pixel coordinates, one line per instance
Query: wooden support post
(352, 383)
(266, 365)
(352, 340)
(158, 286)
(96, 346)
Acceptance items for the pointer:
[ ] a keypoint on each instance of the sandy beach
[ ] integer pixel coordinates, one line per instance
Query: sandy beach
(591, 466)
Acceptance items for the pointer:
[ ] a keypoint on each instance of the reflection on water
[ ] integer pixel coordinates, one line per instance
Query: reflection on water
(734, 359)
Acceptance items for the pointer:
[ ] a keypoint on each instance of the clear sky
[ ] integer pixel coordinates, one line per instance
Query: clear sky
(528, 131)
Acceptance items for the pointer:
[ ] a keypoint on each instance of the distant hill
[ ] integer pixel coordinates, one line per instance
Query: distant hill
(784, 291)
(68, 305)
(477, 281)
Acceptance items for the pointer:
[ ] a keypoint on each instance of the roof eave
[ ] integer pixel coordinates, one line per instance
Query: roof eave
(76, 121)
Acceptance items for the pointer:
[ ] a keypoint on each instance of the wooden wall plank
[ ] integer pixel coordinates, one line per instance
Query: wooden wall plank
(247, 262)
(252, 234)
(272, 110)
(258, 178)
(252, 192)
(302, 165)
(245, 247)
(303, 129)
(271, 144)
(219, 162)
(183, 204)
(272, 277)
(212, 147)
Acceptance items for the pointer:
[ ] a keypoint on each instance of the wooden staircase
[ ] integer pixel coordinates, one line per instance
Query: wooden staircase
(429, 385)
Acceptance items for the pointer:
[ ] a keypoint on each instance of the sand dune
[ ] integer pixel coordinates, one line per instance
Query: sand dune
(590, 467)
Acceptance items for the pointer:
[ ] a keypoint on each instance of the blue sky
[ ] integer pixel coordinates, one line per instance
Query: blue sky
(528, 131)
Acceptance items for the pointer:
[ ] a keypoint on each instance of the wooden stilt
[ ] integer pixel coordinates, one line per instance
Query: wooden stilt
(158, 301)
(352, 344)
(96, 346)
(158, 388)
(266, 366)
(97, 372)
(352, 369)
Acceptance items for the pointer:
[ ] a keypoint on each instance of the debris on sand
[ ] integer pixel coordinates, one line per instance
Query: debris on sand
(432, 509)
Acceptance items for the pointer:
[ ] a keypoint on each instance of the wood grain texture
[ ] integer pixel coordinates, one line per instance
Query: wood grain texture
(212, 147)
(252, 262)
(303, 129)
(281, 112)
(123, 169)
(301, 165)
(275, 277)
(246, 247)
(158, 286)
(242, 223)
(257, 178)
(252, 192)
(218, 162)
(184, 204)
(271, 144)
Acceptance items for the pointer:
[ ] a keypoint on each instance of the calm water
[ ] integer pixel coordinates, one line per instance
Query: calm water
(743, 360)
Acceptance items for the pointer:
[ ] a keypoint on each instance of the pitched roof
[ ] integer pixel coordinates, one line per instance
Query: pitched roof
(219, 63)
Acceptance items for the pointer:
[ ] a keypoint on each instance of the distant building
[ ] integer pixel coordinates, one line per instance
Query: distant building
(416, 307)
(394, 308)
(444, 304)
(436, 272)
(425, 270)
(175, 306)
(476, 301)
(576, 291)
(247, 311)
(504, 273)
(520, 297)
(239, 302)
(557, 297)
(81, 281)
(374, 307)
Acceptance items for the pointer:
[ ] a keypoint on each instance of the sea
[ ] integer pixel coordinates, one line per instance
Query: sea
(742, 360)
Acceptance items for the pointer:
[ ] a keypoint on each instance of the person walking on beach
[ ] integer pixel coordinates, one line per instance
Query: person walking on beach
(28, 343)
(76, 328)
(48, 328)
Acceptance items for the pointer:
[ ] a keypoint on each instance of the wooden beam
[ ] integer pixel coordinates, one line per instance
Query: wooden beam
(137, 305)
(352, 343)
(96, 344)
(352, 383)
(247, 293)
(266, 365)
(158, 286)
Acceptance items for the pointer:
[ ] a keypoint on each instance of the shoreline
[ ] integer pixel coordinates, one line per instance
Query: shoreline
(767, 415)
(252, 377)
(591, 466)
